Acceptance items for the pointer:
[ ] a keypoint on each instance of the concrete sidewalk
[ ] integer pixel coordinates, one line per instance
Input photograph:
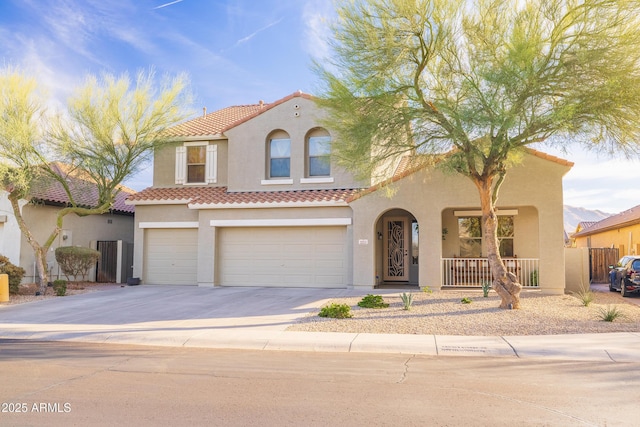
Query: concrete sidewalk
(257, 319)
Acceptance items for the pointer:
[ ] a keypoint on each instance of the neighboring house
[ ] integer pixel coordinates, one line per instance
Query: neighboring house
(582, 225)
(111, 233)
(621, 231)
(247, 196)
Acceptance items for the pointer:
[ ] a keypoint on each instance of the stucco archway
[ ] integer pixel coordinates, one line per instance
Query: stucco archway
(396, 254)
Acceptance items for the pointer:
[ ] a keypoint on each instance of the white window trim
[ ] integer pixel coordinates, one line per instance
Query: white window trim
(319, 180)
(293, 222)
(276, 182)
(181, 224)
(501, 212)
(211, 166)
(181, 164)
(211, 163)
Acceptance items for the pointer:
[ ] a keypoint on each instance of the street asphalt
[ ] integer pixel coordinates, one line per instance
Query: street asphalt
(257, 319)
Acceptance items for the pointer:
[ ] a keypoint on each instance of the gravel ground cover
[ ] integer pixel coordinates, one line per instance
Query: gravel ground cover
(27, 292)
(443, 313)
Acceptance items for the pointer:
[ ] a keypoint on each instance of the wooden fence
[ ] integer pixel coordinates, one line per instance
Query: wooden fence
(599, 261)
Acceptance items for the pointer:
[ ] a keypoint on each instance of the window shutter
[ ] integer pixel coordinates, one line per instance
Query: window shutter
(212, 164)
(181, 165)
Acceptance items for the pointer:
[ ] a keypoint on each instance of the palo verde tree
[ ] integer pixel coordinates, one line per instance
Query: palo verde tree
(110, 130)
(474, 82)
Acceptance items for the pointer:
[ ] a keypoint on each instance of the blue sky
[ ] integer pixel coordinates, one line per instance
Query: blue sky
(235, 52)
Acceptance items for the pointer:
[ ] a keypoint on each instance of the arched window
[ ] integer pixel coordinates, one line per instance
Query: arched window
(318, 154)
(279, 151)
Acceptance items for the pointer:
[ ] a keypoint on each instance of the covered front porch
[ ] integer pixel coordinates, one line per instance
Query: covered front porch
(434, 218)
(405, 255)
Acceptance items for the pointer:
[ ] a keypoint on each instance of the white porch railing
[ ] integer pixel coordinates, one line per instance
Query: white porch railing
(472, 272)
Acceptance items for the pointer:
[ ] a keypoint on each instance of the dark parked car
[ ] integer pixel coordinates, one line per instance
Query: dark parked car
(625, 277)
(615, 274)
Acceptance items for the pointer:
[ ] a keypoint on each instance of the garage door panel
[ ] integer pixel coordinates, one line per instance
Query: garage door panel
(282, 256)
(171, 256)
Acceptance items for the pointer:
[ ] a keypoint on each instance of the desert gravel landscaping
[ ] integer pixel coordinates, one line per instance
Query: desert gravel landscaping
(443, 313)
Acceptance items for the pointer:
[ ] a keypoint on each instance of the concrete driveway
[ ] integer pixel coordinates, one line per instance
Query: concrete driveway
(257, 319)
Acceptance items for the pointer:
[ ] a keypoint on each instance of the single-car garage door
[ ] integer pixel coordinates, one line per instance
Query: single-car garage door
(171, 256)
(282, 256)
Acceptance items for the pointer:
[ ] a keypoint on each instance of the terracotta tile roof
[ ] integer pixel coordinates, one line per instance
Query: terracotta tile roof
(549, 157)
(217, 122)
(623, 219)
(219, 196)
(85, 193)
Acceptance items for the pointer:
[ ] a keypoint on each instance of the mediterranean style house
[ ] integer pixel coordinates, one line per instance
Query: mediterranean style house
(110, 233)
(248, 196)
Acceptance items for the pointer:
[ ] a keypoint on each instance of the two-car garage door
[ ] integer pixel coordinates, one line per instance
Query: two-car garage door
(251, 256)
(282, 256)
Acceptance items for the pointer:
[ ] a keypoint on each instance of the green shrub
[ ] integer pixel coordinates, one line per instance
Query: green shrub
(610, 313)
(14, 272)
(585, 296)
(427, 290)
(533, 278)
(466, 300)
(76, 261)
(373, 301)
(60, 287)
(407, 300)
(336, 311)
(486, 287)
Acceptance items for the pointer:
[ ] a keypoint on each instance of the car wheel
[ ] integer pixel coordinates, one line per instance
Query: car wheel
(623, 292)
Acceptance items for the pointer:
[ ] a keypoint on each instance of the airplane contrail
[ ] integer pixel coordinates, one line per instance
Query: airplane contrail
(167, 4)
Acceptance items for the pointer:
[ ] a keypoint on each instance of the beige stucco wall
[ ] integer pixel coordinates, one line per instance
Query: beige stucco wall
(627, 239)
(533, 186)
(248, 148)
(576, 269)
(80, 231)
(164, 163)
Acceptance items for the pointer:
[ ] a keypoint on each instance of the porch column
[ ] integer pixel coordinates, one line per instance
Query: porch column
(430, 248)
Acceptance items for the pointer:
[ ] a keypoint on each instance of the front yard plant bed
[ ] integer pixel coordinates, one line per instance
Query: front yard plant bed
(441, 313)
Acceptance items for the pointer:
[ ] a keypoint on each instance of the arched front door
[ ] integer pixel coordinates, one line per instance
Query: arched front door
(396, 246)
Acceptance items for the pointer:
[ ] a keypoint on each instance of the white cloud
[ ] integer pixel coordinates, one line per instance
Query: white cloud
(317, 16)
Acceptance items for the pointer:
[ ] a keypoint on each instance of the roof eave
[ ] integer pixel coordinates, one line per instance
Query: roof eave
(268, 205)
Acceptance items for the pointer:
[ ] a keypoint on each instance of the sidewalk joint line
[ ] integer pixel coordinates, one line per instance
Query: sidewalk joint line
(351, 343)
(512, 347)
(609, 355)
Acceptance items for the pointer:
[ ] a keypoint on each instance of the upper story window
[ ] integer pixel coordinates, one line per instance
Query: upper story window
(196, 163)
(319, 160)
(279, 158)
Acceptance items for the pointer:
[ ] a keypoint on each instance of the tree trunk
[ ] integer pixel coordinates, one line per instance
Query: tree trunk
(505, 283)
(39, 251)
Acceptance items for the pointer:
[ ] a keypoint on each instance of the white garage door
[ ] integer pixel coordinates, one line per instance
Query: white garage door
(283, 256)
(171, 256)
